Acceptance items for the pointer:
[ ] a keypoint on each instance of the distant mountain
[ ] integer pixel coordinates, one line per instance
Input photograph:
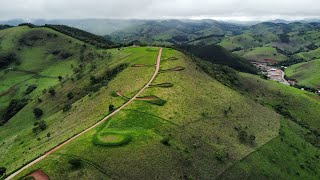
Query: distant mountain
(96, 26)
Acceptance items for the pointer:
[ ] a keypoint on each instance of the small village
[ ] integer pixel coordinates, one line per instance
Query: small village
(273, 73)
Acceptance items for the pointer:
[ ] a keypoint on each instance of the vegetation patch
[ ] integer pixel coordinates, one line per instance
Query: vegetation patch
(152, 99)
(178, 68)
(138, 65)
(163, 85)
(14, 107)
(171, 59)
(111, 139)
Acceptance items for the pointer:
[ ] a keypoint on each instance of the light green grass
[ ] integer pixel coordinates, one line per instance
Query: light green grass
(306, 73)
(262, 53)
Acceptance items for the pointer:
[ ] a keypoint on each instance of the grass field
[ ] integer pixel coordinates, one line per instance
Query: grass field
(305, 73)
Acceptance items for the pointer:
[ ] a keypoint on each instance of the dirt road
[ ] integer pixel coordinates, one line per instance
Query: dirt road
(157, 67)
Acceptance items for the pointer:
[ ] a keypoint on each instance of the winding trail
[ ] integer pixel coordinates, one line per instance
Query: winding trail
(157, 67)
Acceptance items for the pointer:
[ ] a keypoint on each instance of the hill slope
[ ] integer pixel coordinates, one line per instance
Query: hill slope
(305, 74)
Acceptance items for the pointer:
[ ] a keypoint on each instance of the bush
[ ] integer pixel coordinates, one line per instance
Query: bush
(165, 141)
(111, 108)
(7, 58)
(66, 107)
(37, 112)
(70, 95)
(52, 92)
(2, 171)
(39, 126)
(75, 163)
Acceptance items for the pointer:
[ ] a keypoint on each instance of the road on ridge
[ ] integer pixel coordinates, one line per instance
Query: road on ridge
(157, 67)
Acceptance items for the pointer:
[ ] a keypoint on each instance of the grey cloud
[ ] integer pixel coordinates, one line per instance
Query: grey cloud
(150, 9)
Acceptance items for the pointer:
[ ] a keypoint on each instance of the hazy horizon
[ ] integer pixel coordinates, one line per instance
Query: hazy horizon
(229, 10)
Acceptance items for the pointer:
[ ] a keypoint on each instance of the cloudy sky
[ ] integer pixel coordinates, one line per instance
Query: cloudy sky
(155, 9)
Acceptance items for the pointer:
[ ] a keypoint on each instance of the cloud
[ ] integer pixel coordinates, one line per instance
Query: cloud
(151, 9)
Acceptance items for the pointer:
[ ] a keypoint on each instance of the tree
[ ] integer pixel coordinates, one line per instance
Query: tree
(37, 112)
(52, 92)
(111, 108)
(66, 107)
(42, 125)
(75, 163)
(60, 78)
(2, 171)
(70, 95)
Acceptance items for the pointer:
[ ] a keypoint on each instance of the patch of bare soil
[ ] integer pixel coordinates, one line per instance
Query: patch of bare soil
(39, 175)
(138, 65)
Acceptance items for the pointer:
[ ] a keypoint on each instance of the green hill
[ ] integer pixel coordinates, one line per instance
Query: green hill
(218, 55)
(195, 134)
(199, 119)
(306, 73)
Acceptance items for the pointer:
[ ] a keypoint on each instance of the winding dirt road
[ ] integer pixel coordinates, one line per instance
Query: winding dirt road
(157, 67)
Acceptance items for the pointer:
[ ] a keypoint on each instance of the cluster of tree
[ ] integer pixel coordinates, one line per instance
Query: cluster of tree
(284, 38)
(313, 136)
(3, 26)
(39, 126)
(14, 107)
(62, 54)
(30, 88)
(292, 60)
(87, 37)
(30, 25)
(218, 55)
(98, 82)
(7, 58)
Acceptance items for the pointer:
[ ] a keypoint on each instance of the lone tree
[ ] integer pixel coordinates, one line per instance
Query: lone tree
(111, 108)
(37, 112)
(70, 95)
(2, 171)
(52, 92)
(75, 163)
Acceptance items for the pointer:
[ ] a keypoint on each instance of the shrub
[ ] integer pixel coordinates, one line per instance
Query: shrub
(39, 126)
(2, 171)
(165, 141)
(70, 95)
(37, 112)
(52, 92)
(75, 163)
(111, 108)
(66, 107)
(60, 78)
(42, 125)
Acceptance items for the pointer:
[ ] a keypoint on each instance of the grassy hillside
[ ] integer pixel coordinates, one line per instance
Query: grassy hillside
(194, 134)
(294, 154)
(169, 32)
(80, 96)
(305, 73)
(218, 55)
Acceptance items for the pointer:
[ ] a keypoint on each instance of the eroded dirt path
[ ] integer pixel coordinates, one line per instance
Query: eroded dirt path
(157, 67)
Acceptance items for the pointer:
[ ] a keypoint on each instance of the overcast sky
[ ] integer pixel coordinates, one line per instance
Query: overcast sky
(155, 9)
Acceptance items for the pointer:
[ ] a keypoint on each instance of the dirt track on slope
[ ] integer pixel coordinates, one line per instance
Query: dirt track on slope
(156, 71)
